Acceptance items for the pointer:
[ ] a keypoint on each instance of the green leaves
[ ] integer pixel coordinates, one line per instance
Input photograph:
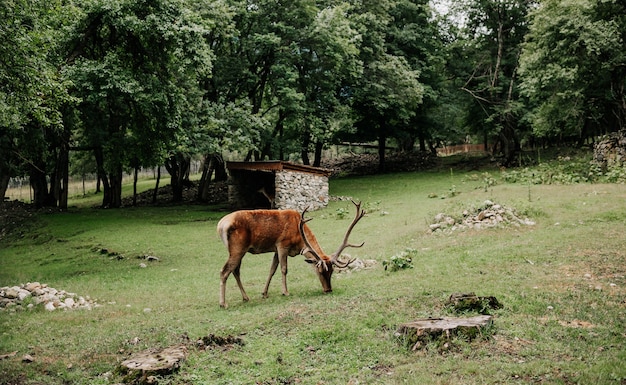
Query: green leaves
(574, 51)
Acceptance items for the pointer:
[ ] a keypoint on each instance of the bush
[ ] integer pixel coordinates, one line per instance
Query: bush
(400, 261)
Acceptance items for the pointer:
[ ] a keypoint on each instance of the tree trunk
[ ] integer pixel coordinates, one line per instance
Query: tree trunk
(102, 178)
(422, 141)
(178, 168)
(208, 166)
(213, 163)
(135, 176)
(317, 161)
(39, 184)
(382, 144)
(155, 193)
(115, 180)
(61, 178)
(306, 141)
(267, 153)
(419, 333)
(4, 184)
(220, 169)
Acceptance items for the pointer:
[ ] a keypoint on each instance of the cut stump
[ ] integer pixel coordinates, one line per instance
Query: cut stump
(153, 362)
(461, 302)
(422, 331)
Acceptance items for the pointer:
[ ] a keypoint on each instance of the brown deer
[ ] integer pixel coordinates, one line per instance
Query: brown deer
(286, 234)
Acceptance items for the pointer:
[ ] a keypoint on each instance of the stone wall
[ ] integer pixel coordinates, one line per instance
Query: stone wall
(299, 190)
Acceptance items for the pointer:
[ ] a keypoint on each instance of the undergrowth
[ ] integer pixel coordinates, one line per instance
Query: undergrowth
(566, 170)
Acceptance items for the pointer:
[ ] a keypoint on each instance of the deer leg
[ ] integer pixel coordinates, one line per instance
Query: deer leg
(236, 274)
(231, 266)
(283, 269)
(224, 273)
(272, 271)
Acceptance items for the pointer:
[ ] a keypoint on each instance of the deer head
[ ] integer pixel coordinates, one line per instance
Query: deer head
(324, 263)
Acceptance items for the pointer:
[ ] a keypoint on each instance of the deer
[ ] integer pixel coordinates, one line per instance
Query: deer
(286, 234)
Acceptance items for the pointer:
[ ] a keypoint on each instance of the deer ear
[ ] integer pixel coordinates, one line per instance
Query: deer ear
(309, 261)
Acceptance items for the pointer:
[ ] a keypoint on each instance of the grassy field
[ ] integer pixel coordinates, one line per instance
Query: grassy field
(561, 282)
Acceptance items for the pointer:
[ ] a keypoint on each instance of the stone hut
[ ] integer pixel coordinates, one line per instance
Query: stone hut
(277, 184)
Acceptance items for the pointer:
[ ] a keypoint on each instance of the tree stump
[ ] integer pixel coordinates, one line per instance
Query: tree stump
(461, 302)
(153, 362)
(422, 331)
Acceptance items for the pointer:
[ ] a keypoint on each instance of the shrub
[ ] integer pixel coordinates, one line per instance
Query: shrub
(400, 261)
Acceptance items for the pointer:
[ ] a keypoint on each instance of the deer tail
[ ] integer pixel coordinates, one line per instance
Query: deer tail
(222, 229)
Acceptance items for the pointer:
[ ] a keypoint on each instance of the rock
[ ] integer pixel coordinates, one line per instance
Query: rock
(611, 150)
(69, 302)
(488, 215)
(32, 286)
(11, 293)
(50, 297)
(8, 355)
(23, 294)
(27, 358)
(356, 265)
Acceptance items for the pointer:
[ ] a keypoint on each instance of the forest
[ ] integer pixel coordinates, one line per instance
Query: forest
(113, 86)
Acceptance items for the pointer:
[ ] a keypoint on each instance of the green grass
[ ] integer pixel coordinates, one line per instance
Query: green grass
(562, 321)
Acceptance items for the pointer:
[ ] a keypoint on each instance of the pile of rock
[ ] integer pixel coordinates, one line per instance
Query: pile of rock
(32, 294)
(611, 151)
(486, 216)
(357, 264)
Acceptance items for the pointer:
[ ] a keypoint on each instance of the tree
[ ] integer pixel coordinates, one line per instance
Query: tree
(327, 62)
(288, 62)
(33, 97)
(136, 67)
(388, 93)
(573, 68)
(492, 40)
(415, 34)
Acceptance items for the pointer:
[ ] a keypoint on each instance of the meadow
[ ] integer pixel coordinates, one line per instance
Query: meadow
(561, 281)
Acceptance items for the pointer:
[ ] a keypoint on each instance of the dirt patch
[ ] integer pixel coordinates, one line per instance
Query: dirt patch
(16, 218)
(222, 342)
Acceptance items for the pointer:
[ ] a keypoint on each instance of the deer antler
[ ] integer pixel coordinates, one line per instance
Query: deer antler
(359, 214)
(308, 247)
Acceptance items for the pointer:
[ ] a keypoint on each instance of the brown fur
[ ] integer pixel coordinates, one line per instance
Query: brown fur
(264, 231)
